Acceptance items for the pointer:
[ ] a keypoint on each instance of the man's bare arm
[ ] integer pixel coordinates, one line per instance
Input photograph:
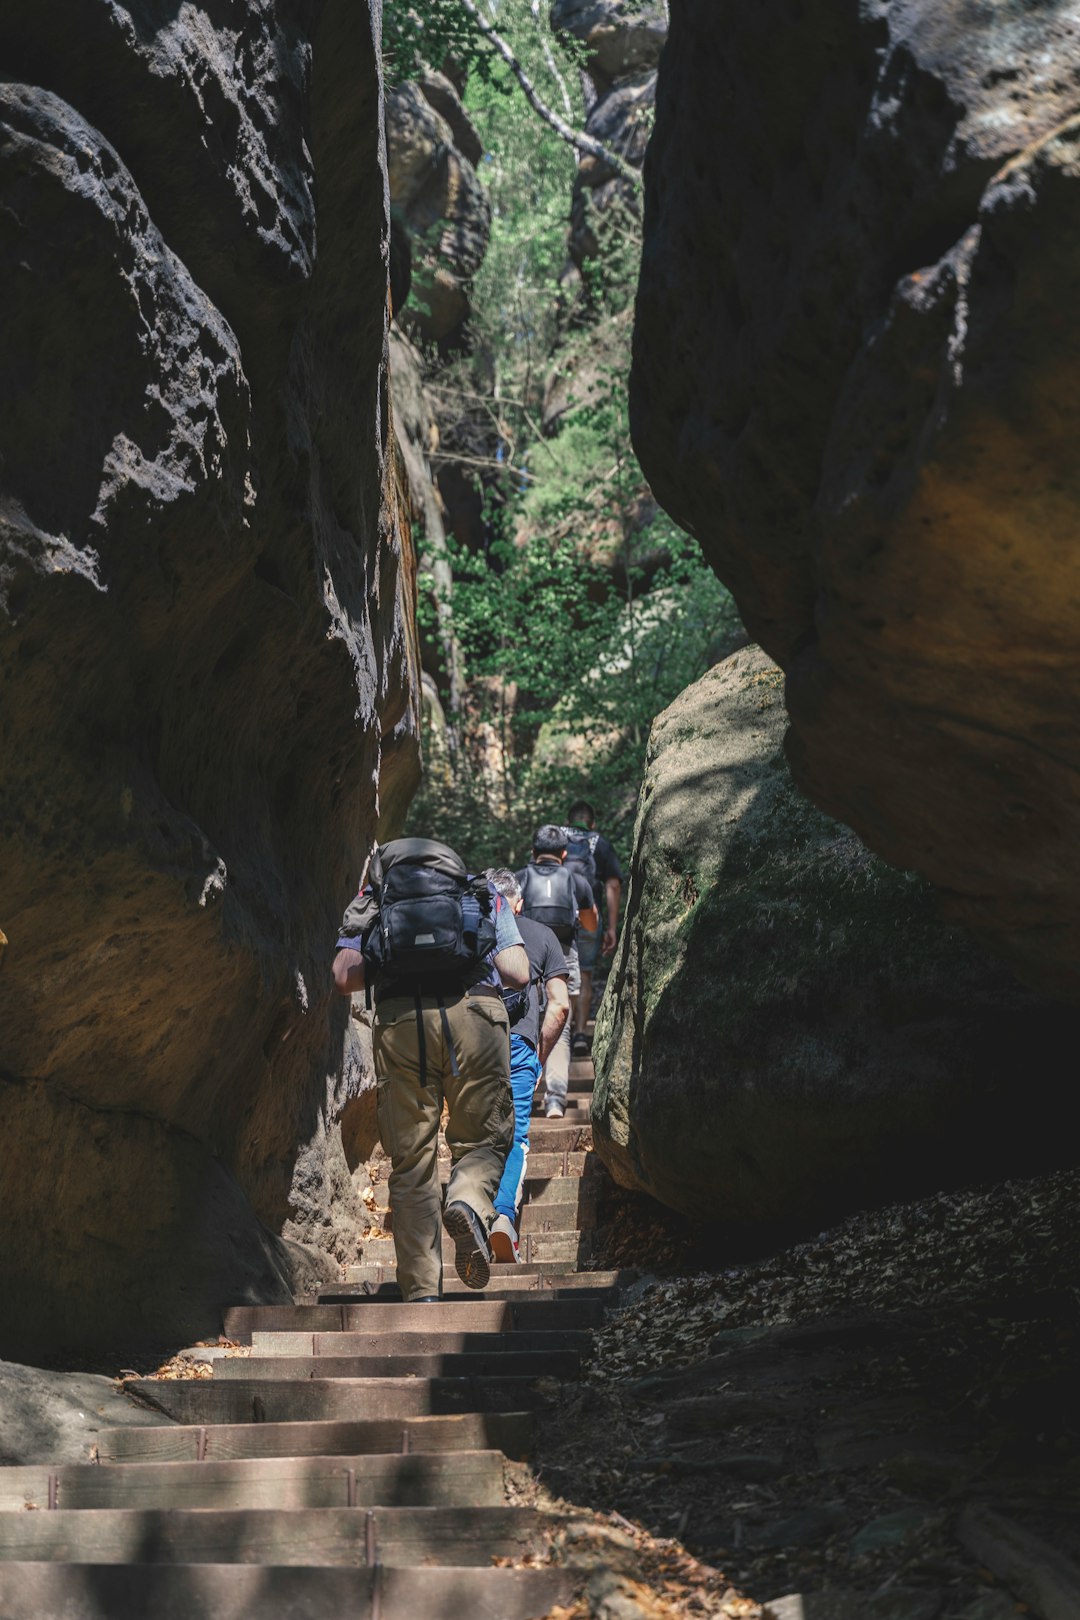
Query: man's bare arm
(613, 895)
(513, 966)
(556, 1013)
(348, 972)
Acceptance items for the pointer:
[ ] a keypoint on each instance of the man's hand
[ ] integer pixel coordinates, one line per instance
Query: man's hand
(607, 944)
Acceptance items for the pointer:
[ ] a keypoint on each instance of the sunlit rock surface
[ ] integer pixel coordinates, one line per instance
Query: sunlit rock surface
(856, 347)
(789, 1031)
(207, 650)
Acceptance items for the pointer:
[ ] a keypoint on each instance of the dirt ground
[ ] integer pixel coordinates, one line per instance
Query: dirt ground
(872, 1419)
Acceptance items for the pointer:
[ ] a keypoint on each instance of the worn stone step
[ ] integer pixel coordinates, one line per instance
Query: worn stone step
(529, 1313)
(454, 1364)
(239, 1592)
(545, 1164)
(553, 1281)
(40, 1591)
(559, 1135)
(431, 1344)
(394, 1536)
(550, 1249)
(507, 1432)
(267, 1400)
(588, 1188)
(435, 1479)
(562, 1215)
(588, 1191)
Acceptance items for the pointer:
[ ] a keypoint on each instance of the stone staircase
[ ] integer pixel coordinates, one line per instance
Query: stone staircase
(354, 1463)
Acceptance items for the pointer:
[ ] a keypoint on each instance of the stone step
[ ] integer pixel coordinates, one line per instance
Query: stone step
(529, 1313)
(394, 1344)
(268, 1400)
(557, 1215)
(559, 1135)
(508, 1432)
(434, 1479)
(80, 1591)
(586, 1189)
(373, 1283)
(543, 1164)
(549, 1249)
(395, 1536)
(453, 1364)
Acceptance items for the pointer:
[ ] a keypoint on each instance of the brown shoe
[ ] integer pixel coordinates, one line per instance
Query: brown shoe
(472, 1257)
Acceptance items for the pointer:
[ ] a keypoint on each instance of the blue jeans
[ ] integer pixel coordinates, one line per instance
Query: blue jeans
(524, 1073)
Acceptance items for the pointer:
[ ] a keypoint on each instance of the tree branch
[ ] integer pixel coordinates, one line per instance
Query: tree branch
(549, 58)
(573, 137)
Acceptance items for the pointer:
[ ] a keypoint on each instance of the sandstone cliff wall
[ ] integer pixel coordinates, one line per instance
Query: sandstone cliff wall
(856, 345)
(789, 1031)
(207, 645)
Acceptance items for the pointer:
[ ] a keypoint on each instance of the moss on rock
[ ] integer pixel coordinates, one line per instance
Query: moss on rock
(790, 1029)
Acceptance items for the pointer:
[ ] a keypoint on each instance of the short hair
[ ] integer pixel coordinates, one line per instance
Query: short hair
(504, 882)
(582, 810)
(549, 840)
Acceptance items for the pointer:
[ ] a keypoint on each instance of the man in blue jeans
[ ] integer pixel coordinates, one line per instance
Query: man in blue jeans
(532, 1037)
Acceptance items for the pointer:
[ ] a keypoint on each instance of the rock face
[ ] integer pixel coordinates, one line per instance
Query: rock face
(855, 343)
(207, 647)
(623, 41)
(789, 1031)
(56, 1417)
(440, 207)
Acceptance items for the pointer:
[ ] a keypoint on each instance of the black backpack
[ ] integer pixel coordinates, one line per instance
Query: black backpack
(581, 853)
(434, 923)
(548, 892)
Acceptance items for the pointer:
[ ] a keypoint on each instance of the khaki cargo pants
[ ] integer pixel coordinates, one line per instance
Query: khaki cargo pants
(479, 1129)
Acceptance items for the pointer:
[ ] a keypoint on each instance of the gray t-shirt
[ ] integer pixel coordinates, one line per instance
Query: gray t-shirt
(546, 962)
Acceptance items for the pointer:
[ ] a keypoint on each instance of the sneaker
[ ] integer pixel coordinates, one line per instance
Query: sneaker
(553, 1109)
(580, 1045)
(504, 1240)
(472, 1260)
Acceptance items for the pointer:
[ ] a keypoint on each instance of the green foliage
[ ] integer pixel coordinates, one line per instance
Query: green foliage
(426, 33)
(588, 610)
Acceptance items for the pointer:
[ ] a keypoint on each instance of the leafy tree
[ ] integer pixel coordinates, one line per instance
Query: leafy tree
(584, 610)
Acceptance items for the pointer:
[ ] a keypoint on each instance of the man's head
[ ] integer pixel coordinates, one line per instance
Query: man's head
(505, 883)
(581, 814)
(549, 843)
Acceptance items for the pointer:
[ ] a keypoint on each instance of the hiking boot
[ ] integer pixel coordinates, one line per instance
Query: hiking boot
(504, 1240)
(553, 1109)
(472, 1259)
(580, 1044)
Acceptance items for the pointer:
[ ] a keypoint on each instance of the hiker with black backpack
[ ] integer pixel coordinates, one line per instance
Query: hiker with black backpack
(535, 1028)
(434, 947)
(594, 856)
(558, 896)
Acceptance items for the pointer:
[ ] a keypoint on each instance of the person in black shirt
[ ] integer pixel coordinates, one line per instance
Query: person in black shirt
(607, 894)
(532, 1037)
(555, 893)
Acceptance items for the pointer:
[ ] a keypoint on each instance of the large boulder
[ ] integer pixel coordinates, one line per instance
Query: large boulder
(790, 1031)
(857, 336)
(207, 648)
